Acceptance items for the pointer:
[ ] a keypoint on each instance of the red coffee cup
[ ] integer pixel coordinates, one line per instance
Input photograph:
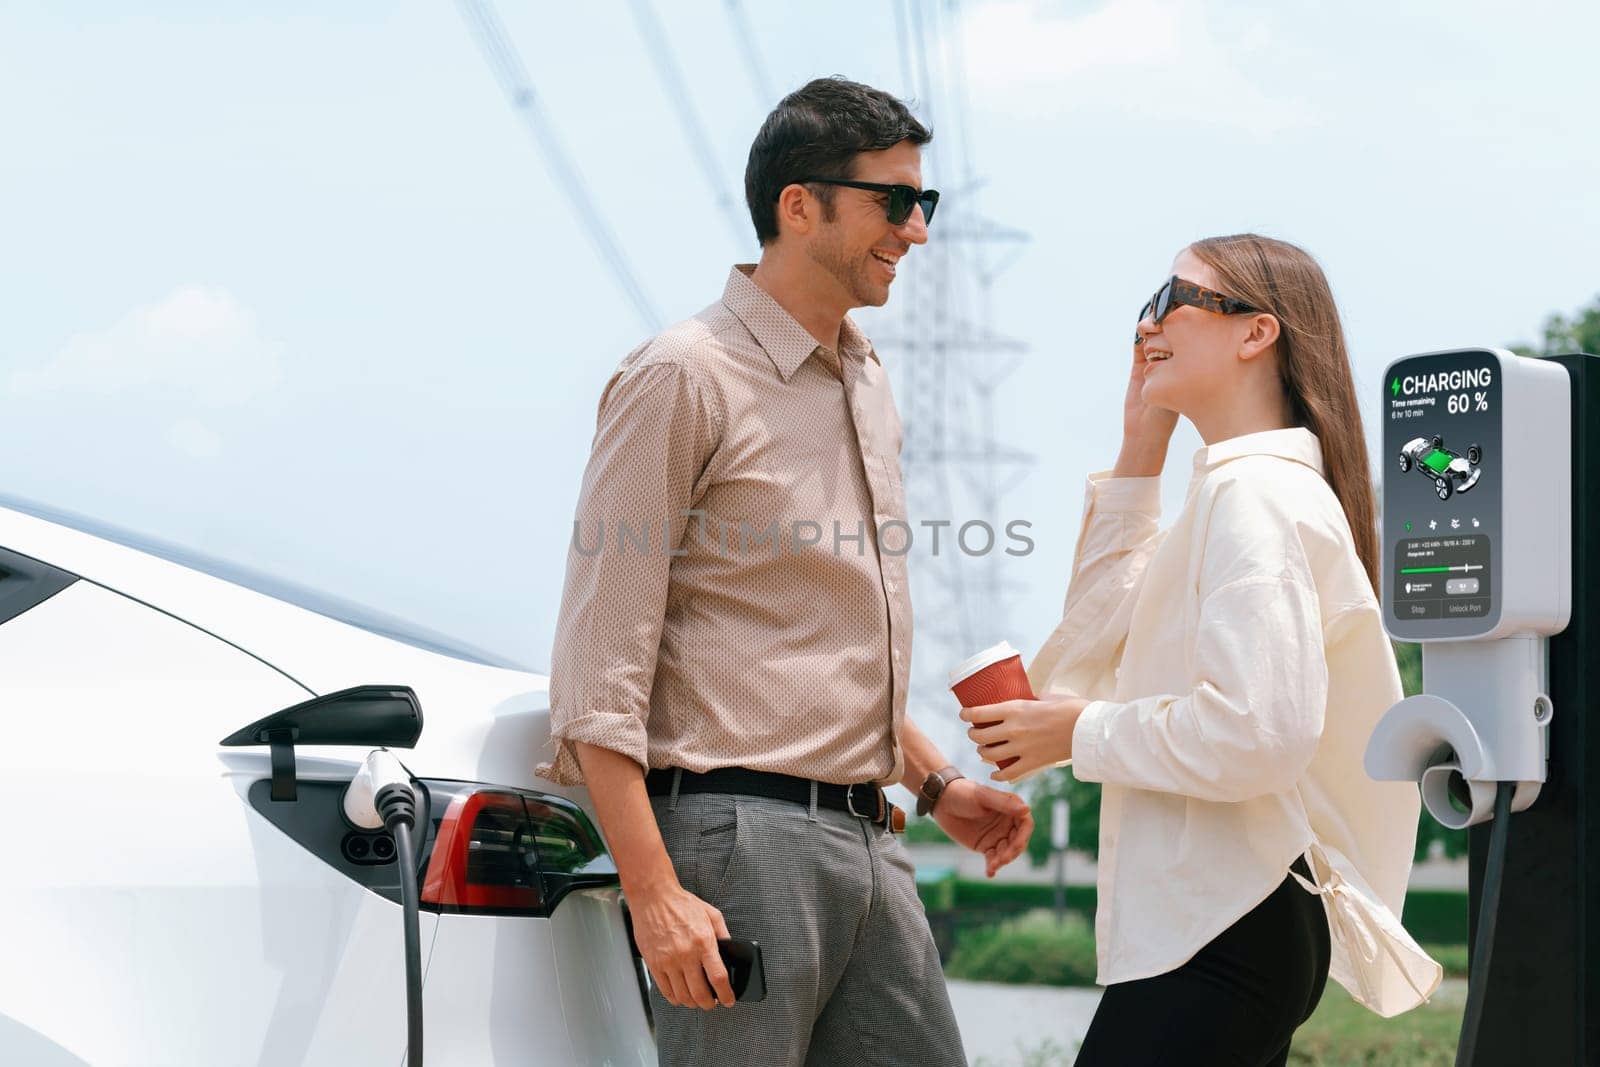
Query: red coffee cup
(990, 677)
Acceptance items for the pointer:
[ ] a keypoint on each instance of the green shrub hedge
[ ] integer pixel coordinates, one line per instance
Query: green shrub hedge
(1436, 916)
(1032, 949)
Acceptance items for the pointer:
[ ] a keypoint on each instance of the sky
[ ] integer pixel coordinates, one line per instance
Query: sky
(297, 288)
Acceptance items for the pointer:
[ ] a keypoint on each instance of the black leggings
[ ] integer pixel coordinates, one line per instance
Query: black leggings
(1238, 1001)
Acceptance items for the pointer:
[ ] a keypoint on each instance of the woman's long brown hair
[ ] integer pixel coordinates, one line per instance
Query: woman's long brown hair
(1286, 282)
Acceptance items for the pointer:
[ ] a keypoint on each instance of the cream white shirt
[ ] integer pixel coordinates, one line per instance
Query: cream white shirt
(1237, 664)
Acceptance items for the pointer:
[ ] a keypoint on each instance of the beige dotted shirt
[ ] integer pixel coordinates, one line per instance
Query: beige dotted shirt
(727, 603)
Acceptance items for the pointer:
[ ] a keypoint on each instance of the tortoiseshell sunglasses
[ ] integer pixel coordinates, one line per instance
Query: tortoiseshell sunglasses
(1175, 291)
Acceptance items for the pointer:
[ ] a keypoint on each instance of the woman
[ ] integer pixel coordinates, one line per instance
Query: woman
(1221, 679)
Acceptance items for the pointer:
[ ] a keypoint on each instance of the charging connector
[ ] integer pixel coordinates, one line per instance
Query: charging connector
(1488, 913)
(381, 796)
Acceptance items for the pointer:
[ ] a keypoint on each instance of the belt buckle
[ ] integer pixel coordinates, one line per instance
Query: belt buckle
(878, 816)
(850, 804)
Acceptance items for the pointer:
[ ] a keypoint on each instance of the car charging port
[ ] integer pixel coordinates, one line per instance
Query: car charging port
(367, 849)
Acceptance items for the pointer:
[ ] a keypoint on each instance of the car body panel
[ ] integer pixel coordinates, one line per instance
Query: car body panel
(184, 927)
(595, 1017)
(324, 655)
(142, 874)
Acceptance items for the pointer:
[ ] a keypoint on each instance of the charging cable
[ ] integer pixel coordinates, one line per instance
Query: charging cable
(381, 797)
(1488, 913)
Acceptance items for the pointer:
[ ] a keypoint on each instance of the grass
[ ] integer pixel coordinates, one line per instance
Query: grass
(1341, 1033)
(1049, 1054)
(1453, 958)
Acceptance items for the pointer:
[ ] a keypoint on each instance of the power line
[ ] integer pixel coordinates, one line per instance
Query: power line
(906, 78)
(666, 61)
(752, 54)
(509, 71)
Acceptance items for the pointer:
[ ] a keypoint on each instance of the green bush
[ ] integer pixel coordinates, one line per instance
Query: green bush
(1437, 916)
(960, 910)
(984, 895)
(922, 830)
(938, 894)
(1033, 949)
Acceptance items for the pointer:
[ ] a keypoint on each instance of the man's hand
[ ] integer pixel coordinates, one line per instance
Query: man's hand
(986, 820)
(675, 930)
(677, 935)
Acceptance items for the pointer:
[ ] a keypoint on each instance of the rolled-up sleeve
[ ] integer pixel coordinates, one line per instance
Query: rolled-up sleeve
(1120, 532)
(653, 440)
(1250, 724)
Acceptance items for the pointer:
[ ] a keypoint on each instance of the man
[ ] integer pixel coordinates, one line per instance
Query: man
(730, 665)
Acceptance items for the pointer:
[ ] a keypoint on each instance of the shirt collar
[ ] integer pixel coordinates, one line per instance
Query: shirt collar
(1295, 443)
(783, 339)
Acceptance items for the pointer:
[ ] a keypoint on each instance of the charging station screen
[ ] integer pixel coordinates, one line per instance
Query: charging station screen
(1441, 494)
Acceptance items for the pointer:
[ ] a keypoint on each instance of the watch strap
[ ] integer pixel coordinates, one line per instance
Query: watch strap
(933, 788)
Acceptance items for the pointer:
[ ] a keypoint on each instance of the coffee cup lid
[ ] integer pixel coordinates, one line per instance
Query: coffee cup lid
(973, 664)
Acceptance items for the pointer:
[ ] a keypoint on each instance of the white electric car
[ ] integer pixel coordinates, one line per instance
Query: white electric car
(163, 900)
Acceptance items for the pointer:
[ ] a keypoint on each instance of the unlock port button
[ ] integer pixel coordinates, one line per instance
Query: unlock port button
(1461, 587)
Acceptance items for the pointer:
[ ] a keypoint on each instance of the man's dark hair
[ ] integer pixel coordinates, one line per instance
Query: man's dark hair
(816, 132)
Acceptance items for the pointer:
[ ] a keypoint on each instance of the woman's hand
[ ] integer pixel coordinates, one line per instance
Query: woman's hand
(1146, 429)
(1038, 733)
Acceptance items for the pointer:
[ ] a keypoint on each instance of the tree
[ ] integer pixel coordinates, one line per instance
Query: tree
(1579, 332)
(1083, 813)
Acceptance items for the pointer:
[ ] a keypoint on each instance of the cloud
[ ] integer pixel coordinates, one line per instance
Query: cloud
(194, 439)
(1145, 58)
(199, 342)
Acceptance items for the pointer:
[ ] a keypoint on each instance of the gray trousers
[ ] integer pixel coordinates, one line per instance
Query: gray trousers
(853, 978)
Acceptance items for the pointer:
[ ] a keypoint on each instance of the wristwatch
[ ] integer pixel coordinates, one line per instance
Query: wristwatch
(933, 788)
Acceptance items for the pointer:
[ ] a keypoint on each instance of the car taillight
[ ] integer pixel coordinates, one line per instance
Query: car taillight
(502, 852)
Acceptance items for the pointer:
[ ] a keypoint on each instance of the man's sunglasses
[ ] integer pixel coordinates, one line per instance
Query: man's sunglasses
(1175, 292)
(902, 198)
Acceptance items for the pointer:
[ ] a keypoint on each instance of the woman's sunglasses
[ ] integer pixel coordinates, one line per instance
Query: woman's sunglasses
(1175, 292)
(902, 198)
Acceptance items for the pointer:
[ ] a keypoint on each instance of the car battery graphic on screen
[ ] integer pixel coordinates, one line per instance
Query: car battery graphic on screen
(1449, 471)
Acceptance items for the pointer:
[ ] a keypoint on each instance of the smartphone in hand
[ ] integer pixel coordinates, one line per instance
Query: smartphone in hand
(745, 971)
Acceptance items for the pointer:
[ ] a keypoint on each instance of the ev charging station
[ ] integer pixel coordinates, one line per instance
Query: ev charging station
(1487, 533)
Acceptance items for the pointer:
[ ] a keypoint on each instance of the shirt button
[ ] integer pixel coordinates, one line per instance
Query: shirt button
(889, 585)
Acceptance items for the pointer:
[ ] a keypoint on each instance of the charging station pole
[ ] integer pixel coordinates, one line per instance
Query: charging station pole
(1490, 525)
(1542, 1000)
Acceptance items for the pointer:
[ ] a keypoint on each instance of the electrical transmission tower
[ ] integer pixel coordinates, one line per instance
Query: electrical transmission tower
(950, 366)
(951, 361)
